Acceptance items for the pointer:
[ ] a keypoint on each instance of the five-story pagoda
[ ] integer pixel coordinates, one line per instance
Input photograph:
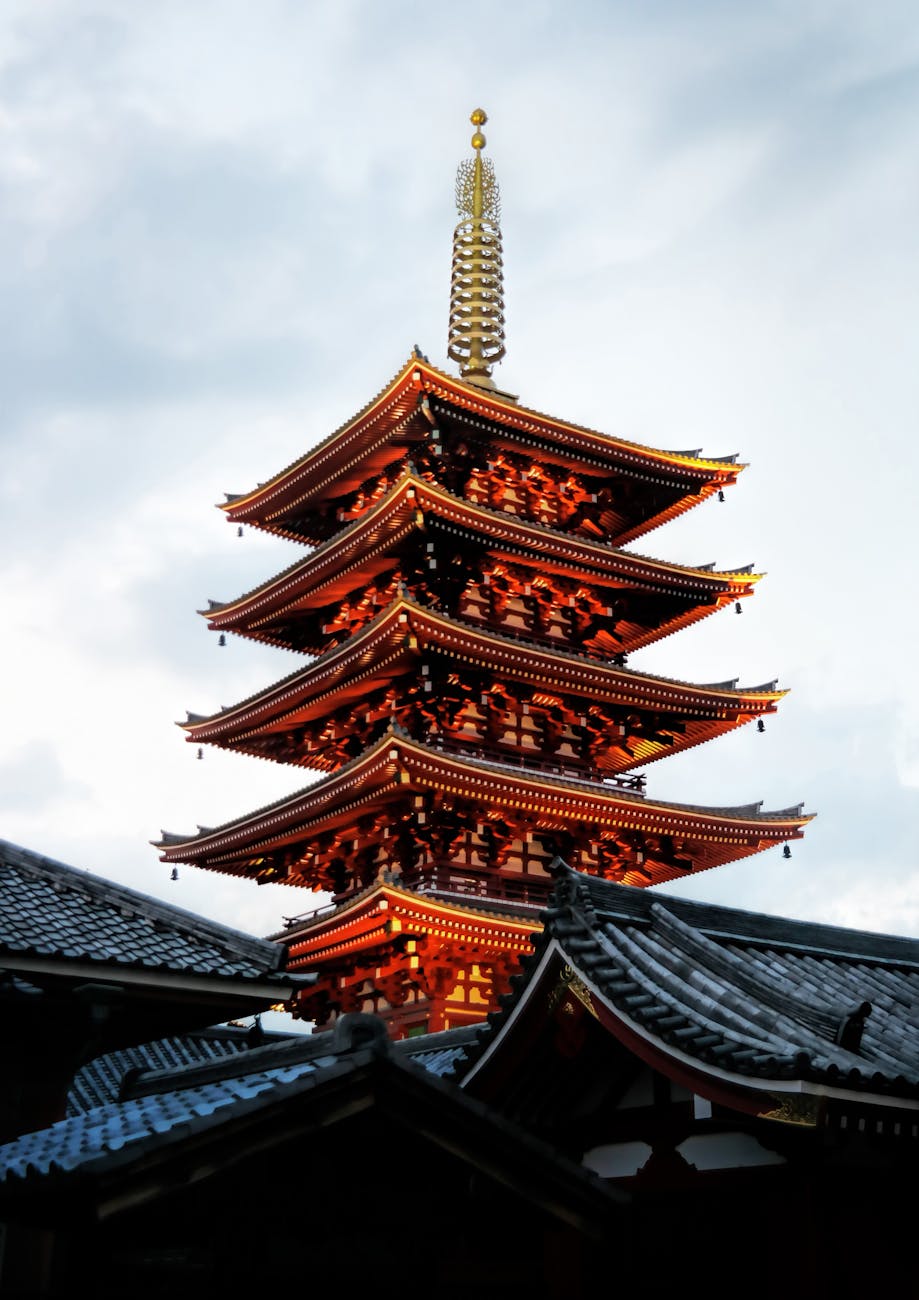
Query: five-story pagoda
(468, 612)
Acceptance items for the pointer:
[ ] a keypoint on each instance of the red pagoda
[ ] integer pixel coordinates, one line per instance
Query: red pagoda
(468, 613)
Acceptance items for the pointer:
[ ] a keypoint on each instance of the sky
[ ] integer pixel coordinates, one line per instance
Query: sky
(224, 226)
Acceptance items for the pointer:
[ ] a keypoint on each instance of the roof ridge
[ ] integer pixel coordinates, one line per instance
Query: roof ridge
(615, 439)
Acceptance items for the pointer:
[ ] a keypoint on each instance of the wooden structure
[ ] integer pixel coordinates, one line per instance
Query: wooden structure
(470, 612)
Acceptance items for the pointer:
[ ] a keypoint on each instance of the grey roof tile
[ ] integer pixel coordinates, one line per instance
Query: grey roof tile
(84, 1138)
(757, 995)
(196, 1079)
(440, 1053)
(54, 911)
(99, 1081)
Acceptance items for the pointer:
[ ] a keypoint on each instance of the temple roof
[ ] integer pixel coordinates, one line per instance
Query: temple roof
(393, 641)
(100, 1080)
(363, 444)
(209, 1114)
(57, 920)
(107, 1078)
(396, 764)
(330, 571)
(736, 1002)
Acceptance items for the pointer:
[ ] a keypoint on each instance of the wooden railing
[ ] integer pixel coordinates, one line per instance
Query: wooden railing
(449, 880)
(633, 784)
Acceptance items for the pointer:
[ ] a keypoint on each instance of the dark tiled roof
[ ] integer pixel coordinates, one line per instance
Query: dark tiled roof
(757, 996)
(441, 1053)
(124, 1127)
(163, 1103)
(100, 1080)
(163, 1109)
(177, 1058)
(49, 911)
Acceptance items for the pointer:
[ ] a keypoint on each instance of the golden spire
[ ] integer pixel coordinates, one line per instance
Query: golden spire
(476, 338)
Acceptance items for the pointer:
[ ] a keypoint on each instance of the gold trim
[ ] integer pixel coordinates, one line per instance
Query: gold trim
(803, 1111)
(570, 982)
(476, 332)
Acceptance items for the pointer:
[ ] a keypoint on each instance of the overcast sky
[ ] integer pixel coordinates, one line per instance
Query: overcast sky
(223, 226)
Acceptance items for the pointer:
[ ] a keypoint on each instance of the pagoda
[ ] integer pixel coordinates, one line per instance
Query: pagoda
(465, 615)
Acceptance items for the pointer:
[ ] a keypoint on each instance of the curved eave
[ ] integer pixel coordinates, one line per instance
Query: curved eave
(313, 473)
(396, 764)
(378, 914)
(589, 441)
(756, 1094)
(399, 634)
(280, 494)
(504, 534)
(696, 480)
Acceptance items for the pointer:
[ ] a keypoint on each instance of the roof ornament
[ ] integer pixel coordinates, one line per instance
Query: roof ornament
(476, 333)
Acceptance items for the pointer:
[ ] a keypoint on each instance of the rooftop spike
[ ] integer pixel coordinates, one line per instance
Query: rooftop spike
(476, 333)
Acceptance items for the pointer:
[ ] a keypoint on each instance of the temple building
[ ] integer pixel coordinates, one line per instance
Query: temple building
(465, 614)
(670, 1087)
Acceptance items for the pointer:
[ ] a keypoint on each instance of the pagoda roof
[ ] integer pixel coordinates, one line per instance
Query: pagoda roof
(383, 910)
(396, 764)
(331, 570)
(363, 444)
(392, 641)
(743, 1008)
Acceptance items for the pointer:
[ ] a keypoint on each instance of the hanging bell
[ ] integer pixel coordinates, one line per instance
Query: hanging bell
(786, 851)
(222, 640)
(720, 495)
(760, 726)
(738, 608)
(239, 531)
(200, 753)
(175, 874)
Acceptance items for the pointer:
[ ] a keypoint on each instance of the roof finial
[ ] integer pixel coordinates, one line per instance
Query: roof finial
(476, 338)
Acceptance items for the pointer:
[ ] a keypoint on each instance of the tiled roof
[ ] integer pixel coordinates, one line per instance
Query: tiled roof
(759, 997)
(99, 1081)
(49, 911)
(441, 1053)
(609, 442)
(80, 1141)
(163, 1108)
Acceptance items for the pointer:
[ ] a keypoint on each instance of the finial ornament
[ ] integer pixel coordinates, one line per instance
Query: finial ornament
(476, 335)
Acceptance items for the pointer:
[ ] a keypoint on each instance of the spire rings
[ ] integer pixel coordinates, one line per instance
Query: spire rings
(476, 329)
